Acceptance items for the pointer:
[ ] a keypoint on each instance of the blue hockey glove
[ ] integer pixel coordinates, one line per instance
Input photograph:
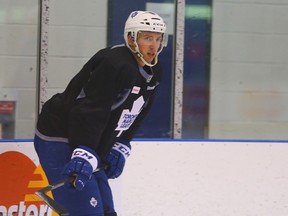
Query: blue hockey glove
(116, 158)
(81, 166)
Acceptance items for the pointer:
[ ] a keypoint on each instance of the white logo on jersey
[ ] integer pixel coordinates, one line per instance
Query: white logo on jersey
(128, 117)
(151, 87)
(135, 90)
(93, 202)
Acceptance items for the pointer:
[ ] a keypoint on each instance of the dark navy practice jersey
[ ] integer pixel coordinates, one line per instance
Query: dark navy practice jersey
(106, 101)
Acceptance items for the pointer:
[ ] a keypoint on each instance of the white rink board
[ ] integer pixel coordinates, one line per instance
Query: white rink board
(206, 179)
(199, 178)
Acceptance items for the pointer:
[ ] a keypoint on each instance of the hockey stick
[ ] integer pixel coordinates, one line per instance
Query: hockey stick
(59, 209)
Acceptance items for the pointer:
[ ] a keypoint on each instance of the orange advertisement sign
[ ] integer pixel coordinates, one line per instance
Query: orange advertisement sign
(20, 176)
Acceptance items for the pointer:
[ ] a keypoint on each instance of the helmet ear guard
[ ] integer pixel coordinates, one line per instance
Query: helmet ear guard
(144, 21)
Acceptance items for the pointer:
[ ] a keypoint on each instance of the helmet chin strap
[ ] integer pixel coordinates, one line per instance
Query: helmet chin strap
(140, 55)
(155, 60)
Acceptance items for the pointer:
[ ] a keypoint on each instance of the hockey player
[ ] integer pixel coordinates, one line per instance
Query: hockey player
(93, 121)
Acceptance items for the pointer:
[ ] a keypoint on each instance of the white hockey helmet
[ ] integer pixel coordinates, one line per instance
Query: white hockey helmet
(144, 21)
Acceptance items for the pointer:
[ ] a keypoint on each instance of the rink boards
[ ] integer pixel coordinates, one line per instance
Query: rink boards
(170, 178)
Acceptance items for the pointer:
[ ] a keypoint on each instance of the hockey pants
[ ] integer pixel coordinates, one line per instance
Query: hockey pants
(96, 197)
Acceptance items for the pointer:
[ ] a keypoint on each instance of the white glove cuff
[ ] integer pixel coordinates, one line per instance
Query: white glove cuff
(123, 149)
(86, 155)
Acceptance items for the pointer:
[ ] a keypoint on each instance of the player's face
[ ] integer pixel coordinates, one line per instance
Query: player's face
(149, 44)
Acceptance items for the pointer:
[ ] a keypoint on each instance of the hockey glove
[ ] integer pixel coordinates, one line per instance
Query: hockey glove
(80, 168)
(116, 158)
